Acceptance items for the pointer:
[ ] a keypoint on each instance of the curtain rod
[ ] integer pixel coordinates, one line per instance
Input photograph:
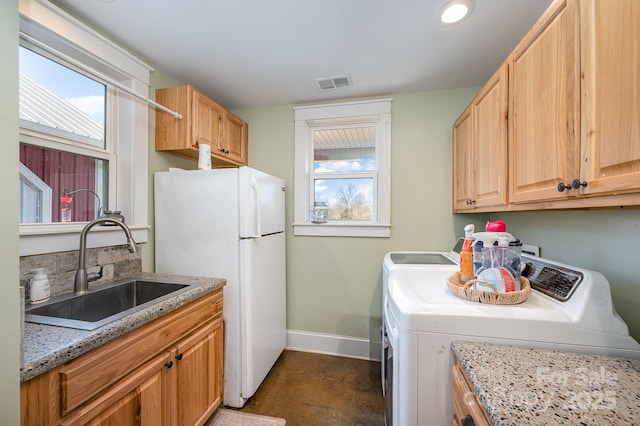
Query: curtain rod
(102, 78)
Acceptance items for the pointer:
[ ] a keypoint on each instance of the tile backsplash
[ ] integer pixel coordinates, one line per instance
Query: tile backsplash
(116, 262)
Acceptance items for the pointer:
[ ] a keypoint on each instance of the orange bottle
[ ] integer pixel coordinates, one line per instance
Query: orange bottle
(466, 255)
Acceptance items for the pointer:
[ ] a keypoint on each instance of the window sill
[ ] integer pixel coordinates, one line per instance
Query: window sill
(52, 238)
(342, 230)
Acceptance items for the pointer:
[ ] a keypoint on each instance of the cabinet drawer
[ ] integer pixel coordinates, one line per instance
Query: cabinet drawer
(140, 393)
(92, 373)
(465, 402)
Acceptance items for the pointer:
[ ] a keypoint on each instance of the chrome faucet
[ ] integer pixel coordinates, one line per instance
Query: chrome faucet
(81, 284)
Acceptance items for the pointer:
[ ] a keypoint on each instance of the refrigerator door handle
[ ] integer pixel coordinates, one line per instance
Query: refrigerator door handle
(257, 207)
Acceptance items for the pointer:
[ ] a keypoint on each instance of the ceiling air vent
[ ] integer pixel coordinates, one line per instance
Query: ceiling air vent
(331, 83)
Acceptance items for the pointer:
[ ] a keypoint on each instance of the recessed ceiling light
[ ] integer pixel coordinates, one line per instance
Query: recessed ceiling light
(456, 11)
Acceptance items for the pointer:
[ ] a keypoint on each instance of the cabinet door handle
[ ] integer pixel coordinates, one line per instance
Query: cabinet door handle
(467, 421)
(576, 184)
(168, 364)
(179, 357)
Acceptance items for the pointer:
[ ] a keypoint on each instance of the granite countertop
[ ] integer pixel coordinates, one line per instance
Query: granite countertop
(519, 386)
(48, 346)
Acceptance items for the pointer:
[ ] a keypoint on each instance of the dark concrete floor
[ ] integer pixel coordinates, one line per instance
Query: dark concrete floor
(309, 389)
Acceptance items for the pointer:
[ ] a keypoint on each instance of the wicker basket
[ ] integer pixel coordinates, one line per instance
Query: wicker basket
(465, 291)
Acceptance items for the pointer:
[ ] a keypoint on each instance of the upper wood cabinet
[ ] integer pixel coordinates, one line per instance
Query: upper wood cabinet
(203, 121)
(544, 115)
(610, 131)
(207, 120)
(233, 144)
(490, 130)
(462, 161)
(573, 115)
(480, 148)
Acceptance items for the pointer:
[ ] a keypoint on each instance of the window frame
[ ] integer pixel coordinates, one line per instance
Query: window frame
(50, 138)
(63, 33)
(375, 113)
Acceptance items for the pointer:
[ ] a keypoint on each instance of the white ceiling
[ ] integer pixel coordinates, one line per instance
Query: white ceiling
(255, 53)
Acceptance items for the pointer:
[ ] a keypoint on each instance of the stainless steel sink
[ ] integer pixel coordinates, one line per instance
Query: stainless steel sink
(98, 307)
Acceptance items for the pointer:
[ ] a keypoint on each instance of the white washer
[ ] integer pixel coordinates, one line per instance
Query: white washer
(422, 319)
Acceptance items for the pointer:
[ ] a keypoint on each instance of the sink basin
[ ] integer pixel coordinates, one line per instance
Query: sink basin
(102, 306)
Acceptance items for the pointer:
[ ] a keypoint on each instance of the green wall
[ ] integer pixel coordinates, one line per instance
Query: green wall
(9, 253)
(334, 283)
(607, 241)
(158, 161)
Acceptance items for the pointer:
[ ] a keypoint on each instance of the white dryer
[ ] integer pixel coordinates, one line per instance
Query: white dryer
(420, 260)
(409, 260)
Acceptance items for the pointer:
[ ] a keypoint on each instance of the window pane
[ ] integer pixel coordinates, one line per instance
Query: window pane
(344, 150)
(78, 185)
(346, 198)
(61, 101)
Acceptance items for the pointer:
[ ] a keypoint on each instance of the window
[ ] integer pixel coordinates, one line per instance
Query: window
(343, 161)
(35, 198)
(78, 148)
(63, 138)
(344, 174)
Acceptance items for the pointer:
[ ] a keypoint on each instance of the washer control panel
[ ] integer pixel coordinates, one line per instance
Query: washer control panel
(553, 280)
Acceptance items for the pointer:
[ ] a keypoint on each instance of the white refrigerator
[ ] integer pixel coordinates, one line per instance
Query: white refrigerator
(229, 223)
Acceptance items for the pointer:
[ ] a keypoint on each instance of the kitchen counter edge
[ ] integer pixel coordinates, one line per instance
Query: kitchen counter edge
(46, 346)
(518, 385)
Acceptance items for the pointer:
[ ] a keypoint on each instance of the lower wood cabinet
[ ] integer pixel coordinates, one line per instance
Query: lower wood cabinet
(168, 372)
(466, 408)
(198, 366)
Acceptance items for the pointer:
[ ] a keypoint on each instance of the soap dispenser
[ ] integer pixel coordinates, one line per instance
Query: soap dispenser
(40, 290)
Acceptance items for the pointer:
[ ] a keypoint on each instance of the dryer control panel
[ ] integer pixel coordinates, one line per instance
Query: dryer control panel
(553, 280)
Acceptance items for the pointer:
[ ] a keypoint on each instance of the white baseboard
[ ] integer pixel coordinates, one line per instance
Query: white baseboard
(332, 344)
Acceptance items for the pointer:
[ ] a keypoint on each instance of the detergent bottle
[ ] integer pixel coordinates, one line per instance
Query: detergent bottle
(478, 244)
(492, 274)
(466, 255)
(503, 266)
